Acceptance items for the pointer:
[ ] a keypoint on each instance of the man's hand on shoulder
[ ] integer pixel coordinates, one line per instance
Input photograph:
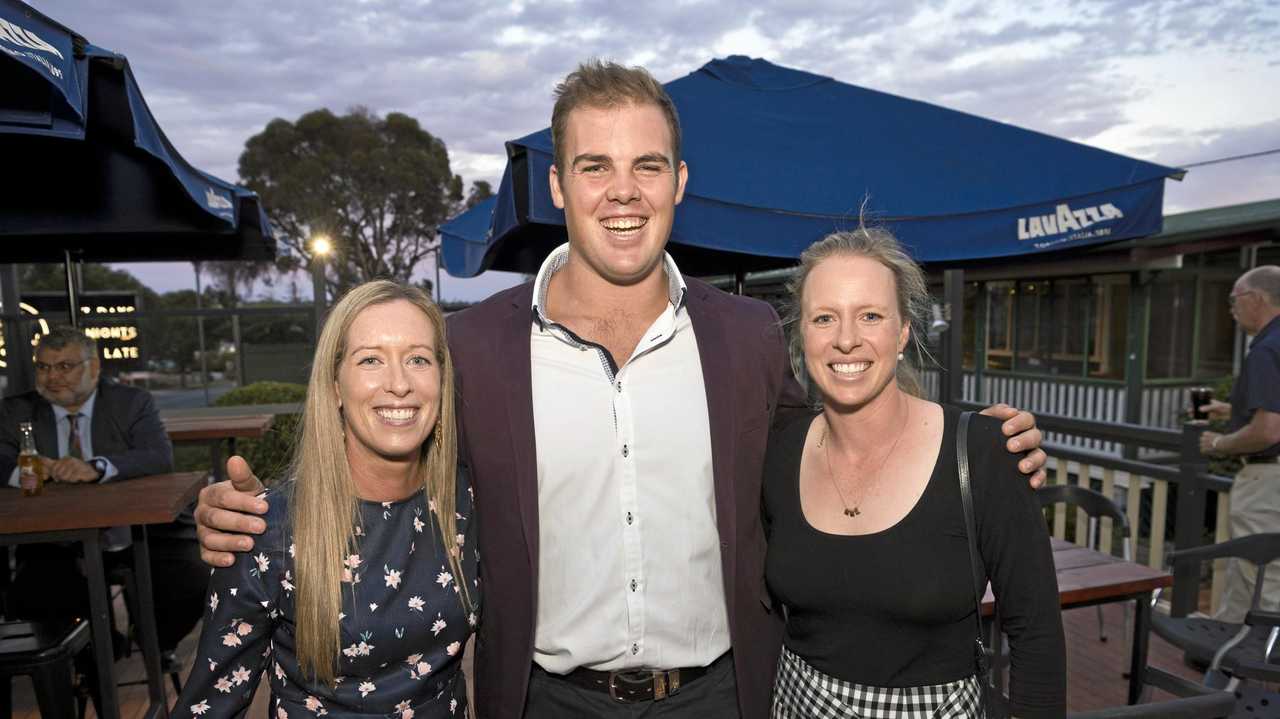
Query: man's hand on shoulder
(224, 515)
(71, 469)
(1020, 428)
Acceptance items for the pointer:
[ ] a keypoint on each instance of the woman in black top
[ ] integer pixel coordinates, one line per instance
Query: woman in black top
(867, 545)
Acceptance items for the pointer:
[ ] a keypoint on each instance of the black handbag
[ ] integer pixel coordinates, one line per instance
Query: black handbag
(994, 703)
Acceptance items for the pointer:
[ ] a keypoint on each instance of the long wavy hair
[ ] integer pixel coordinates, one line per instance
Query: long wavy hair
(324, 507)
(909, 283)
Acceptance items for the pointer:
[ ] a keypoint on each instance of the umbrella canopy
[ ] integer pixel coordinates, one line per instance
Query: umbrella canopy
(778, 158)
(88, 169)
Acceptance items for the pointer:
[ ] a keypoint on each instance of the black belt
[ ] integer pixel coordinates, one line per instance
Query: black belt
(1261, 460)
(635, 685)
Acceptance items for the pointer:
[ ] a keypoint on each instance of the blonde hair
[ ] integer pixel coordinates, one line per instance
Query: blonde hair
(909, 283)
(324, 507)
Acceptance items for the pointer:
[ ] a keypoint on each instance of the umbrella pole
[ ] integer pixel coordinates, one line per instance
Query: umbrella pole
(73, 304)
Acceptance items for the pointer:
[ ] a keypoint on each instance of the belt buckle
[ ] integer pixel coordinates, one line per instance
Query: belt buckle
(640, 679)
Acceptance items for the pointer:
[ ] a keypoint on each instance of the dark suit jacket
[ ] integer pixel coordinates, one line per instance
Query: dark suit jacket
(747, 378)
(126, 429)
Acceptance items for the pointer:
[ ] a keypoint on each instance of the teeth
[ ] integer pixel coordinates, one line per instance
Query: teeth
(850, 367)
(624, 224)
(398, 415)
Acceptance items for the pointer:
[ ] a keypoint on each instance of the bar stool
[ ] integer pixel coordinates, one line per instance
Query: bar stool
(44, 651)
(124, 577)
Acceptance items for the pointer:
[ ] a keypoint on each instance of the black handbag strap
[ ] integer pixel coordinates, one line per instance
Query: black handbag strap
(994, 704)
(966, 499)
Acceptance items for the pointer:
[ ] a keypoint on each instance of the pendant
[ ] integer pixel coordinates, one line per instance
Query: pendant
(851, 512)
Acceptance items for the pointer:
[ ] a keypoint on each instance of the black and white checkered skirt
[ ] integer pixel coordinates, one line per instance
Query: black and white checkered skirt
(802, 692)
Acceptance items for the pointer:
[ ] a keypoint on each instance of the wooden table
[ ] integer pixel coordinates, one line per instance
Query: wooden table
(1087, 577)
(215, 429)
(78, 512)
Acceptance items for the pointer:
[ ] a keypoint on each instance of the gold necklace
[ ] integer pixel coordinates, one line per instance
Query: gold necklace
(826, 454)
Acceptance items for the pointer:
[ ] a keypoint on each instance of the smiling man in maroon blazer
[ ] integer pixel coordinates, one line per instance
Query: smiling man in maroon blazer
(615, 414)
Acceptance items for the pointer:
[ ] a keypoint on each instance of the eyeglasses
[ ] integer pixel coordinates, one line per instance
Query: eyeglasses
(62, 367)
(1232, 298)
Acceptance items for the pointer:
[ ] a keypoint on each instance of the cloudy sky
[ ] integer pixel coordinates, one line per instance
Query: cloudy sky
(1176, 81)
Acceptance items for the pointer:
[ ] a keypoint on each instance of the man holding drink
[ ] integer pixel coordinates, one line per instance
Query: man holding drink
(78, 427)
(1253, 434)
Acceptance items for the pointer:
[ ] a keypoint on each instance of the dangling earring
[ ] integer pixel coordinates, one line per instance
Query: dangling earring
(901, 356)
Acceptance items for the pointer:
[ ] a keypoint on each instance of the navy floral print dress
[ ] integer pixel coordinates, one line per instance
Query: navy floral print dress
(402, 634)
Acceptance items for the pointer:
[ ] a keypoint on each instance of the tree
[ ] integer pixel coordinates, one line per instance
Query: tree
(378, 187)
(231, 277)
(52, 277)
(481, 190)
(174, 341)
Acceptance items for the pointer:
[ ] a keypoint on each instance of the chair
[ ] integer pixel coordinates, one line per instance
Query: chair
(1243, 658)
(1197, 702)
(44, 651)
(1241, 650)
(123, 576)
(1097, 506)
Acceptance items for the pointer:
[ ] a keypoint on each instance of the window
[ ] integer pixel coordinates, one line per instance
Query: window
(1073, 327)
(1169, 334)
(1217, 331)
(1111, 303)
(1000, 325)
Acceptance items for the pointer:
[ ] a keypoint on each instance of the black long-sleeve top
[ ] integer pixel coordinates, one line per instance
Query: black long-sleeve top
(895, 608)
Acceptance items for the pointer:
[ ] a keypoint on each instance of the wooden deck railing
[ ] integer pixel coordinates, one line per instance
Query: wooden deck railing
(1161, 405)
(1128, 480)
(1148, 521)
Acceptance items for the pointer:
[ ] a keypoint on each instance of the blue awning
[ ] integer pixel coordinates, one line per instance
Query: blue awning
(466, 237)
(778, 158)
(90, 169)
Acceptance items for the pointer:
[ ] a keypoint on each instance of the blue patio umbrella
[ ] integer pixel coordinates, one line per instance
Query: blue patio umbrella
(778, 158)
(88, 172)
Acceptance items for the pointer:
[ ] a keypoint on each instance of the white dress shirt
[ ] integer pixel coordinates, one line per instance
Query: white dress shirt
(629, 571)
(63, 431)
(114, 538)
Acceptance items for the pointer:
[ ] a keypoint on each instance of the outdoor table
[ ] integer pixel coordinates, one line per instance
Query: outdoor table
(78, 512)
(214, 429)
(1087, 577)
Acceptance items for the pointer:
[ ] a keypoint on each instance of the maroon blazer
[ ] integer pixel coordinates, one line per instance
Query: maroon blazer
(747, 377)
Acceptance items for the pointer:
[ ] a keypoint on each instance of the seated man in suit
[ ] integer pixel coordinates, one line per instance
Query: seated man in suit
(90, 429)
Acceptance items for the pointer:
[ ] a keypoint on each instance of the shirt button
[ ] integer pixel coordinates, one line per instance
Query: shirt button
(633, 585)
(635, 648)
(619, 386)
(626, 451)
(630, 518)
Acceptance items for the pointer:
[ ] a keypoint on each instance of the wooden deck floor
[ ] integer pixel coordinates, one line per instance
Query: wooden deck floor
(1094, 669)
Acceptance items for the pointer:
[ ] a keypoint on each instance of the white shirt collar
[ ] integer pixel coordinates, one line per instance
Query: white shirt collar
(86, 410)
(676, 287)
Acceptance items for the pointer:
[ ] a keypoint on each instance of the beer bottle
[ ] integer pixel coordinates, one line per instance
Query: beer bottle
(31, 470)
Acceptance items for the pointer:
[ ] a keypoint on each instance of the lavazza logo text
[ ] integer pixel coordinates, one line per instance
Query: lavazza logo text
(23, 37)
(216, 201)
(1080, 223)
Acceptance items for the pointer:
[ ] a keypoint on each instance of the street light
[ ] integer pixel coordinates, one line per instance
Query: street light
(321, 248)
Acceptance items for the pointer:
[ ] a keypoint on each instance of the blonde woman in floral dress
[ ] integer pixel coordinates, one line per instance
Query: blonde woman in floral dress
(362, 591)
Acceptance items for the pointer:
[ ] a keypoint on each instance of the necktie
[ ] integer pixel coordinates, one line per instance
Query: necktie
(73, 442)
